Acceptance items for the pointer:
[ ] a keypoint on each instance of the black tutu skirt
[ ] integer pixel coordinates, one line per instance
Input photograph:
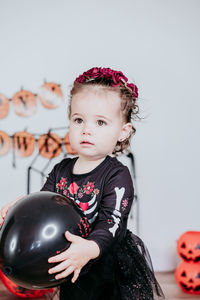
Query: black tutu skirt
(125, 273)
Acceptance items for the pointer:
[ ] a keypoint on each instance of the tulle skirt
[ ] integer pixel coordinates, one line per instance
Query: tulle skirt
(125, 273)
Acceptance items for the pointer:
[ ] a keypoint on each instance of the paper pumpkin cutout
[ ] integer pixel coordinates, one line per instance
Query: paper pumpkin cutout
(49, 145)
(67, 145)
(4, 106)
(24, 103)
(20, 291)
(23, 143)
(188, 246)
(50, 95)
(5, 143)
(187, 276)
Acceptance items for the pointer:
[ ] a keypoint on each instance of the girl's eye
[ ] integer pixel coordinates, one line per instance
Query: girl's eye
(101, 122)
(78, 120)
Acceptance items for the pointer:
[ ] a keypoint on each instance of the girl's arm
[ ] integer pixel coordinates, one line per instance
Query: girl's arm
(6, 208)
(115, 207)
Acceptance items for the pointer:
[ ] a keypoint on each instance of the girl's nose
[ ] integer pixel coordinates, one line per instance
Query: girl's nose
(86, 129)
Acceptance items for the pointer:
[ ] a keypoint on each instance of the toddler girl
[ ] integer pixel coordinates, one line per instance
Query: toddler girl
(111, 263)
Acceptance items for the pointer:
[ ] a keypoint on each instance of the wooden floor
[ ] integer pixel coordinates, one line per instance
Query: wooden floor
(166, 280)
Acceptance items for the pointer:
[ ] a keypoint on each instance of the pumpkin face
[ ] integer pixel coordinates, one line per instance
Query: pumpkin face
(24, 103)
(49, 145)
(5, 143)
(188, 246)
(4, 106)
(67, 145)
(187, 276)
(23, 143)
(22, 292)
(50, 95)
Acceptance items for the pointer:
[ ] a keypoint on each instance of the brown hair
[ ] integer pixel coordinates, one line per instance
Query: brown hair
(129, 106)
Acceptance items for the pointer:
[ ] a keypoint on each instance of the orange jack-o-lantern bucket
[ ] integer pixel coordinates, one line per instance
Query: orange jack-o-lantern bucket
(5, 143)
(49, 145)
(188, 246)
(67, 145)
(24, 103)
(20, 291)
(50, 95)
(187, 276)
(4, 106)
(23, 143)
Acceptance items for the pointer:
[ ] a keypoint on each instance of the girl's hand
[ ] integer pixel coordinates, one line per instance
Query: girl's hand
(75, 257)
(6, 208)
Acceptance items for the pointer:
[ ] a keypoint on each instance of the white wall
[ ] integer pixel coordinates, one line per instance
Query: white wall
(154, 42)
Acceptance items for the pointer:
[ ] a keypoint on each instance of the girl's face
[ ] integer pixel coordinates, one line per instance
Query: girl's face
(96, 123)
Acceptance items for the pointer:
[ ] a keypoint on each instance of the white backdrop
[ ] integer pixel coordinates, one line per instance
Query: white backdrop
(156, 44)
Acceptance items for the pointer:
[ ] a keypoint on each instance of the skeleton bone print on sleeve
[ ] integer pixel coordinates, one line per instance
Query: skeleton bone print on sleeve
(116, 213)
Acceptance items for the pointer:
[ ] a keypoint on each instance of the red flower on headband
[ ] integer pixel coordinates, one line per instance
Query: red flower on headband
(134, 89)
(117, 78)
(107, 72)
(93, 73)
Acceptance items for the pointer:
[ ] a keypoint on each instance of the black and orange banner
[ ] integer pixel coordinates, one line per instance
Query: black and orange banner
(25, 102)
(49, 144)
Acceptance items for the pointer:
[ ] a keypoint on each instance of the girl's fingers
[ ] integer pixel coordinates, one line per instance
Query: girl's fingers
(2, 216)
(76, 275)
(60, 257)
(62, 266)
(3, 213)
(66, 273)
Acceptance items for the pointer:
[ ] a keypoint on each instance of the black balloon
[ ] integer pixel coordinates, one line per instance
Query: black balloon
(32, 232)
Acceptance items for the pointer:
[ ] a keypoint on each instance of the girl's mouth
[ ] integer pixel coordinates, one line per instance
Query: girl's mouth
(86, 143)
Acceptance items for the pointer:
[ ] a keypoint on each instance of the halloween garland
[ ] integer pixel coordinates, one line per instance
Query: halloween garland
(23, 143)
(25, 102)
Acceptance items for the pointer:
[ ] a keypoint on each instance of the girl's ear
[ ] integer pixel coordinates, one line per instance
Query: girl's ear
(125, 132)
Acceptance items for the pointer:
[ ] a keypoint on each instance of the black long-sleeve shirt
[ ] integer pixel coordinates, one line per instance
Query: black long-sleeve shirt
(104, 195)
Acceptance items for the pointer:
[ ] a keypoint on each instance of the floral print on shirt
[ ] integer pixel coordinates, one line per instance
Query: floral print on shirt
(74, 190)
(124, 204)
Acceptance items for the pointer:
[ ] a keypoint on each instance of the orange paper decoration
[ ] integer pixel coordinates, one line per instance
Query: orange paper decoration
(187, 276)
(24, 103)
(23, 143)
(188, 246)
(49, 145)
(4, 106)
(5, 143)
(67, 145)
(50, 95)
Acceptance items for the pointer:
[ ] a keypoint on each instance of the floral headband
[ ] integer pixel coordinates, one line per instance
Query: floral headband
(116, 77)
